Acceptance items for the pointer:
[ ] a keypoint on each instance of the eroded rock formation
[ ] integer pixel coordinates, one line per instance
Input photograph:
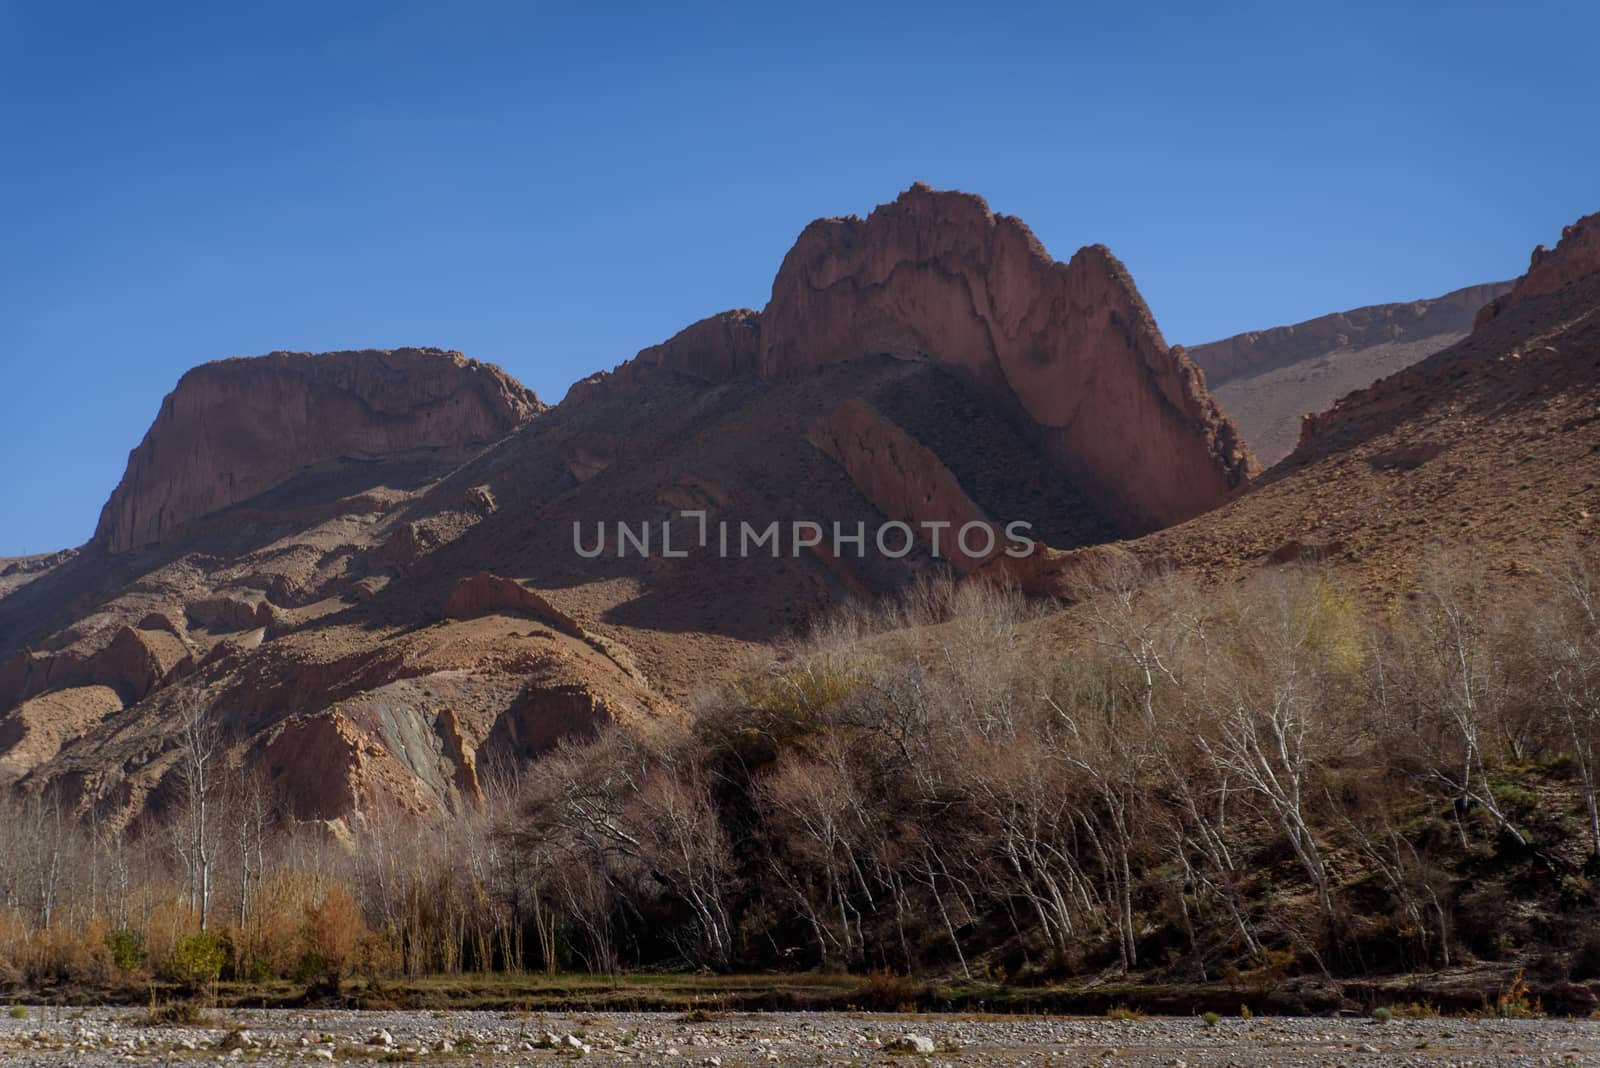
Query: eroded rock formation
(1070, 346)
(1576, 256)
(715, 348)
(236, 428)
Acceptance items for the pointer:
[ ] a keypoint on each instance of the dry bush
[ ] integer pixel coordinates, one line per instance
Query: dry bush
(333, 933)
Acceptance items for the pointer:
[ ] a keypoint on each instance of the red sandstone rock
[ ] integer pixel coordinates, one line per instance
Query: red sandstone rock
(1576, 255)
(235, 428)
(903, 479)
(483, 593)
(937, 275)
(134, 662)
(715, 349)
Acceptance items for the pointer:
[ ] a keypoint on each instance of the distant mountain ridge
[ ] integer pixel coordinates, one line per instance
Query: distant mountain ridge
(1266, 380)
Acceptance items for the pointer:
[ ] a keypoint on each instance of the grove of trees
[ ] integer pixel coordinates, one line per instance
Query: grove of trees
(1171, 778)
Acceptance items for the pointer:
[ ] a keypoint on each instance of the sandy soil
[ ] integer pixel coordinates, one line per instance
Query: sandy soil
(95, 1037)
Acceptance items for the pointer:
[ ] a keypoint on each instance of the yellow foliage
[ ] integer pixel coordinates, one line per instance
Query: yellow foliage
(1334, 629)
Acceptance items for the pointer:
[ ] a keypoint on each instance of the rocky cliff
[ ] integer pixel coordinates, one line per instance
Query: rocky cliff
(715, 348)
(236, 428)
(1070, 347)
(1576, 256)
(905, 480)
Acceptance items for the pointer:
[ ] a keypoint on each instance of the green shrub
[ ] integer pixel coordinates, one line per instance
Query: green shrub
(17, 1012)
(1211, 1019)
(127, 949)
(1383, 1014)
(197, 959)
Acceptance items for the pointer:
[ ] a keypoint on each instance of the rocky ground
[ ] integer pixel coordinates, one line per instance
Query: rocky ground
(93, 1037)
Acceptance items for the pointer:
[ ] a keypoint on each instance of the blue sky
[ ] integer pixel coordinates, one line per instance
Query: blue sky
(553, 187)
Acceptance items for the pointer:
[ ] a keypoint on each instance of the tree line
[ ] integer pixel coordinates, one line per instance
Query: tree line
(1172, 778)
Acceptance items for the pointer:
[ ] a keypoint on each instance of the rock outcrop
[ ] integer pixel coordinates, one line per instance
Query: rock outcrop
(905, 481)
(938, 275)
(35, 730)
(716, 348)
(133, 663)
(236, 428)
(1070, 347)
(1576, 256)
(483, 593)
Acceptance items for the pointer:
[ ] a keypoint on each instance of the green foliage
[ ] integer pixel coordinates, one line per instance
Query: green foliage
(127, 949)
(1210, 1019)
(1383, 1014)
(17, 1012)
(197, 959)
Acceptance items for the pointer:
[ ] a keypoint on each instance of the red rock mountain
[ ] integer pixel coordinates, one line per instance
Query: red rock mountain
(1071, 348)
(234, 429)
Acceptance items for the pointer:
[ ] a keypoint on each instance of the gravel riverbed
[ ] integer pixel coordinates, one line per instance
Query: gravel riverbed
(101, 1036)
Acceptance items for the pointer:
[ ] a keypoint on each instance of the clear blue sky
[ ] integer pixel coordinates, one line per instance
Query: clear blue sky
(554, 187)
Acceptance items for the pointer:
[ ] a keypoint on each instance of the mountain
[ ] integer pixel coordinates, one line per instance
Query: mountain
(1491, 445)
(1266, 380)
(381, 575)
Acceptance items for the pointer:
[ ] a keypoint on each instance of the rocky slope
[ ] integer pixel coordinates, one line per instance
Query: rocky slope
(1575, 257)
(1490, 446)
(234, 429)
(1267, 379)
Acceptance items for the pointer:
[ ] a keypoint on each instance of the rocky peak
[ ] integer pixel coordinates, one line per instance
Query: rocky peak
(1576, 256)
(236, 428)
(1071, 347)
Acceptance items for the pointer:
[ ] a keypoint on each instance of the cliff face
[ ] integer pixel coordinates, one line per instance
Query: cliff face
(1071, 347)
(715, 348)
(1576, 256)
(236, 428)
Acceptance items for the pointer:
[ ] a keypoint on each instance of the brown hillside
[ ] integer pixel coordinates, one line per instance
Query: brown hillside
(1492, 443)
(1267, 379)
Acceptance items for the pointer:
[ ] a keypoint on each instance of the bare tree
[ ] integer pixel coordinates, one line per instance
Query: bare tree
(199, 774)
